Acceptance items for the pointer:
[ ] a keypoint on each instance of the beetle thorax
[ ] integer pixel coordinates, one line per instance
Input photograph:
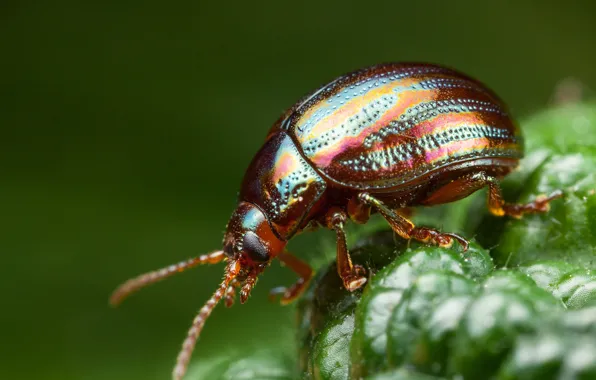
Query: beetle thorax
(282, 184)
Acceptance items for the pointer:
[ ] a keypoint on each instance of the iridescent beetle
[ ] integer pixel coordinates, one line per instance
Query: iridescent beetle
(379, 139)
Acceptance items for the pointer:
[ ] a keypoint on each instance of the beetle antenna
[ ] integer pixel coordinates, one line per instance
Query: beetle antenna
(133, 285)
(188, 346)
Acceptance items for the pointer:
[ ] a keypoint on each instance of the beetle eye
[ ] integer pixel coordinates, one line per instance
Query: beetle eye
(255, 249)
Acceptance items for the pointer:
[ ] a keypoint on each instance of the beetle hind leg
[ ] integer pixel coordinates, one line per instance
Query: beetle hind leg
(468, 184)
(408, 230)
(497, 206)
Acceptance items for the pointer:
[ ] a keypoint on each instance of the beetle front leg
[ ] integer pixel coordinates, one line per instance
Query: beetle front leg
(353, 276)
(407, 230)
(304, 272)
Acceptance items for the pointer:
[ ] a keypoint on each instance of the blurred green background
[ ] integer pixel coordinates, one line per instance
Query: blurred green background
(126, 128)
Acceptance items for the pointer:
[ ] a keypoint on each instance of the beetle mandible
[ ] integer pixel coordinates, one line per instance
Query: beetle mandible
(379, 139)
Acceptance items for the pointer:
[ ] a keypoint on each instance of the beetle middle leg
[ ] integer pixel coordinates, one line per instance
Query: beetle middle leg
(293, 292)
(407, 230)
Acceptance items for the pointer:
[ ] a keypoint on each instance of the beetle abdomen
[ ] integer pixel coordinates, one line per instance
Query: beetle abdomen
(390, 124)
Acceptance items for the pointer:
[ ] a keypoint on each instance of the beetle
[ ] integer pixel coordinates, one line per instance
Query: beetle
(380, 139)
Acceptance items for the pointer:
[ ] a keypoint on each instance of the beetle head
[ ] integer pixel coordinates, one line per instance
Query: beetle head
(249, 246)
(250, 240)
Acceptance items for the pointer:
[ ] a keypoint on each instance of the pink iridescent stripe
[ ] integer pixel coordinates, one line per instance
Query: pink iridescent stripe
(443, 122)
(325, 155)
(462, 146)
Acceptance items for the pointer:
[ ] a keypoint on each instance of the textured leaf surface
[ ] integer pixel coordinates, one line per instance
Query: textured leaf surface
(436, 313)
(561, 154)
(525, 309)
(259, 365)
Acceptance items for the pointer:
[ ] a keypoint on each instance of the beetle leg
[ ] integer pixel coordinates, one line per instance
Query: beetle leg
(353, 276)
(466, 185)
(357, 211)
(497, 206)
(407, 230)
(304, 272)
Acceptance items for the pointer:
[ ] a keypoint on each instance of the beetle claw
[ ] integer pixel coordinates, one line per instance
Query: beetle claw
(276, 293)
(355, 284)
(356, 279)
(542, 202)
(445, 240)
(463, 242)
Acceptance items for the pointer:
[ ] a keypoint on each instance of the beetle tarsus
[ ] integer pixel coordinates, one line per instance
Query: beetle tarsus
(497, 206)
(288, 295)
(462, 241)
(442, 239)
(302, 269)
(355, 279)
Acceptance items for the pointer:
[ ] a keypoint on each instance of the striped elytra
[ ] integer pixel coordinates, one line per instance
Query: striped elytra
(374, 141)
(386, 125)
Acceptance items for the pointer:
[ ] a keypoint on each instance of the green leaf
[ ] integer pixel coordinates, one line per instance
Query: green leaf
(576, 288)
(386, 290)
(257, 365)
(488, 328)
(554, 354)
(430, 313)
(332, 349)
(411, 316)
(403, 374)
(561, 155)
(326, 320)
(435, 313)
